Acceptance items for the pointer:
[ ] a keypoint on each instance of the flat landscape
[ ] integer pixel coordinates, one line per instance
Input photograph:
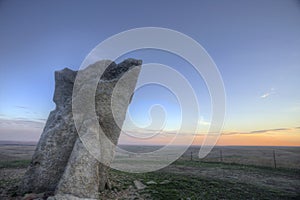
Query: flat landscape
(226, 173)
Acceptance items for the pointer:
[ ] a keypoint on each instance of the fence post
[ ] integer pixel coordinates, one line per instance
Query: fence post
(191, 155)
(274, 159)
(221, 155)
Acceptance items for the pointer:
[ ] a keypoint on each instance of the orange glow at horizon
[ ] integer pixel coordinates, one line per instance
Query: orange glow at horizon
(289, 137)
(254, 140)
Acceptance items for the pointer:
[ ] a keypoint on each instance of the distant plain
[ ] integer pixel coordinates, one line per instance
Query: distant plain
(228, 172)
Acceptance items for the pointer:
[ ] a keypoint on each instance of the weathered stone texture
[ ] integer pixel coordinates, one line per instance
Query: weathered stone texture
(61, 162)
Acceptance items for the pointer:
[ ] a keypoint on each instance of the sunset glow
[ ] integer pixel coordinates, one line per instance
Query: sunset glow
(254, 44)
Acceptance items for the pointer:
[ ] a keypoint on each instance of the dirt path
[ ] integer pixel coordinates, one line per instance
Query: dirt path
(279, 181)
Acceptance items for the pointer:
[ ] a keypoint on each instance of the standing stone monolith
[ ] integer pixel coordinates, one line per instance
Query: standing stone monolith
(56, 142)
(61, 161)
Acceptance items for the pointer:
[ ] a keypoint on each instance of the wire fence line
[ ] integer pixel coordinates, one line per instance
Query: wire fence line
(276, 157)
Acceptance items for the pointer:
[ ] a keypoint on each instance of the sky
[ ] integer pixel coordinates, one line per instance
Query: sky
(255, 45)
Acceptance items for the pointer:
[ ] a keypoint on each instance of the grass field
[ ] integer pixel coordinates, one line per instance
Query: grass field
(183, 179)
(286, 157)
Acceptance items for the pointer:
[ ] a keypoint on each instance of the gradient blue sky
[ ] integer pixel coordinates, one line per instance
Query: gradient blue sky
(255, 44)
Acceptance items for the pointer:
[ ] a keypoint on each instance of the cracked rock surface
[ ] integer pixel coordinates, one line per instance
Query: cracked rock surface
(61, 162)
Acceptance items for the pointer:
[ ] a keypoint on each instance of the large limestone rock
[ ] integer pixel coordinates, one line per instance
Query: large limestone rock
(57, 140)
(61, 162)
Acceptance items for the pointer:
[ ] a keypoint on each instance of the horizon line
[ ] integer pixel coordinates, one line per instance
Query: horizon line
(11, 142)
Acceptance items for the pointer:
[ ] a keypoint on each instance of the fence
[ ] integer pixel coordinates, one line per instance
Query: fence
(277, 157)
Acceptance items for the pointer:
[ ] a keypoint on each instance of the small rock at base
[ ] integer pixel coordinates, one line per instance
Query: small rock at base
(165, 182)
(139, 185)
(151, 183)
(33, 196)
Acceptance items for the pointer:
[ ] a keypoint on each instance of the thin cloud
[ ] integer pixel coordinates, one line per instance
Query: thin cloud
(29, 113)
(41, 119)
(231, 133)
(268, 130)
(267, 94)
(259, 131)
(22, 107)
(203, 122)
(21, 123)
(225, 133)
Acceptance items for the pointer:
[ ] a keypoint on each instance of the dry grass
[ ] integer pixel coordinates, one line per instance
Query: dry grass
(286, 157)
(252, 178)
